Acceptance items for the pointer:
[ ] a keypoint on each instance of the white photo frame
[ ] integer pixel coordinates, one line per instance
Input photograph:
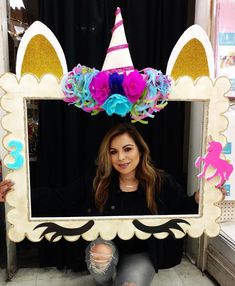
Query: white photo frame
(18, 89)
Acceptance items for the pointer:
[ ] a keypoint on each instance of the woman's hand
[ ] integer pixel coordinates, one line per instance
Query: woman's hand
(196, 196)
(5, 186)
(222, 189)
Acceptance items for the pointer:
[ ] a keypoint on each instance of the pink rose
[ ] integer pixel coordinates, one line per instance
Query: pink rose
(133, 85)
(99, 87)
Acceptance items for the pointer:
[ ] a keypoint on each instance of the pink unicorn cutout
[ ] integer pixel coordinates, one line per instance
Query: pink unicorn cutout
(212, 158)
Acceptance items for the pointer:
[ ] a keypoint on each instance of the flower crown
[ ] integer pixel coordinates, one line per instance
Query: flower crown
(139, 93)
(118, 88)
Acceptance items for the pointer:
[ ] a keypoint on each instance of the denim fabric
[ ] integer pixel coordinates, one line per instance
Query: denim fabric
(132, 268)
(135, 268)
(102, 278)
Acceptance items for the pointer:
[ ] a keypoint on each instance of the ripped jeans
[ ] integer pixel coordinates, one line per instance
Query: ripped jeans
(108, 269)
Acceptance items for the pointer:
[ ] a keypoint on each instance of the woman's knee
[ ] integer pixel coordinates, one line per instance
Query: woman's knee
(100, 256)
(101, 249)
(129, 284)
(135, 270)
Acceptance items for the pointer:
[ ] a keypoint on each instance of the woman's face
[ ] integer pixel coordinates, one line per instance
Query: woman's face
(124, 154)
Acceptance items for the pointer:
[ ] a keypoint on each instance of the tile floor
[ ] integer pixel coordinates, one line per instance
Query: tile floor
(185, 274)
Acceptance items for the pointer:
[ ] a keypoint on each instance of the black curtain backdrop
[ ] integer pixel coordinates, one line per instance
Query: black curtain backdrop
(68, 137)
(83, 28)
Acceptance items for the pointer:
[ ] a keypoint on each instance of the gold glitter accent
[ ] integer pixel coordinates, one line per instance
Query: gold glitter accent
(191, 61)
(40, 58)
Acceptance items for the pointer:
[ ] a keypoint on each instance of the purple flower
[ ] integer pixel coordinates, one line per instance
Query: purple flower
(99, 87)
(133, 85)
(115, 83)
(117, 104)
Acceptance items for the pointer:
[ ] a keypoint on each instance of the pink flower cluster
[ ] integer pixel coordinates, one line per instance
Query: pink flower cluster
(139, 93)
(133, 85)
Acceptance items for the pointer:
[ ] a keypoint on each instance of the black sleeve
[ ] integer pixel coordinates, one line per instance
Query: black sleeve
(61, 202)
(174, 199)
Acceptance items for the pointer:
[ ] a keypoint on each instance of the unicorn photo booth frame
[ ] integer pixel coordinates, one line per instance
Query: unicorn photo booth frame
(39, 77)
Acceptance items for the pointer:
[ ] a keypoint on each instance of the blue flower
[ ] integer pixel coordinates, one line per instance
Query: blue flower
(117, 104)
(115, 83)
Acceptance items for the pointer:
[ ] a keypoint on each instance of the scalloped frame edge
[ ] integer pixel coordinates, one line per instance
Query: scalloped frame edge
(48, 87)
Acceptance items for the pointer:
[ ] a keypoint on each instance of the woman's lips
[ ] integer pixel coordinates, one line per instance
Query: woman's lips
(124, 165)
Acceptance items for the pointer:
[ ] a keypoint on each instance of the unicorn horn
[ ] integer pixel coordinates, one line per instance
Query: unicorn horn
(118, 58)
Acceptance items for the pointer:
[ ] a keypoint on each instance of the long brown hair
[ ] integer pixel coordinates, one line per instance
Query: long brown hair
(148, 176)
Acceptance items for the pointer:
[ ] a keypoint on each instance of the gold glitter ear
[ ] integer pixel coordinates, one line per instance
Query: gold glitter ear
(41, 58)
(40, 53)
(192, 55)
(191, 61)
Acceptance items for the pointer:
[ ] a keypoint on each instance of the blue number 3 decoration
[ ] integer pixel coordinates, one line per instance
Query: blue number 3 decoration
(18, 158)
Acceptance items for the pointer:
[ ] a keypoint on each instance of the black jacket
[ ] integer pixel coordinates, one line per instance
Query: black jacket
(77, 200)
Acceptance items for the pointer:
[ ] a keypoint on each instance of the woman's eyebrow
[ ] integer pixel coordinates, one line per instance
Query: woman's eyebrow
(128, 145)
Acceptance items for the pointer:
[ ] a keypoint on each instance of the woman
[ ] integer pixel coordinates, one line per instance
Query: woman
(126, 183)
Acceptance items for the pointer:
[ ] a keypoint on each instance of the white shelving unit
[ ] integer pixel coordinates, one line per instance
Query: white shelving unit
(220, 251)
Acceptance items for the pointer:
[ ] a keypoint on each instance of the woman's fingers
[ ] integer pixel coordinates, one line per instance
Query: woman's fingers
(6, 183)
(223, 191)
(2, 195)
(5, 186)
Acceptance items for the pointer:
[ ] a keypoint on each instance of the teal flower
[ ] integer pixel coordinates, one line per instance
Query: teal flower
(117, 104)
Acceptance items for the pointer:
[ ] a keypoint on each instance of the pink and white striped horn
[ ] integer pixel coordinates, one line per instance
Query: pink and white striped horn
(118, 58)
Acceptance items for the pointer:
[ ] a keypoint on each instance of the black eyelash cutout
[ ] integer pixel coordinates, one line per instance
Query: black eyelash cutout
(59, 230)
(166, 227)
(62, 231)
